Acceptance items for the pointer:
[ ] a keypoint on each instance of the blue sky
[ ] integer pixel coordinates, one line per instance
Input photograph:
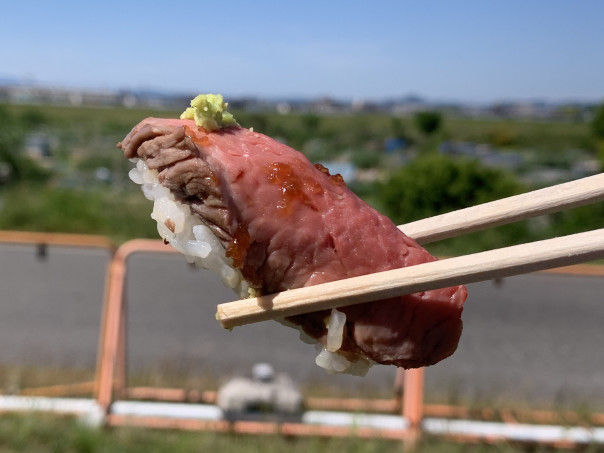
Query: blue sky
(477, 51)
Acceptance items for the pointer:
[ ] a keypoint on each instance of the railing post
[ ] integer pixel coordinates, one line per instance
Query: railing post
(110, 331)
(111, 363)
(121, 354)
(413, 405)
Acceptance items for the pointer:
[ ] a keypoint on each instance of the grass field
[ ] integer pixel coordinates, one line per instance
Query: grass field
(47, 434)
(120, 214)
(101, 128)
(84, 138)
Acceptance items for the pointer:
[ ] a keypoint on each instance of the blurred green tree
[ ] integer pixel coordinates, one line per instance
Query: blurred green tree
(11, 140)
(12, 135)
(597, 124)
(428, 122)
(433, 184)
(597, 127)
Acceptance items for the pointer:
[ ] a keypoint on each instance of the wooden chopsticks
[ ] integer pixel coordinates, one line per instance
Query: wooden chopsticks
(507, 210)
(504, 262)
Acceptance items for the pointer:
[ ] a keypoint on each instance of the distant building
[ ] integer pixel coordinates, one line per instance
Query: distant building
(28, 92)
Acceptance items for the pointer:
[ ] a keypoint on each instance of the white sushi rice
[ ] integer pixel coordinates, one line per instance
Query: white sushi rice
(329, 358)
(335, 330)
(187, 234)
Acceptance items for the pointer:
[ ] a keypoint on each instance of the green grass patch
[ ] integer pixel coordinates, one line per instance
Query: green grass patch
(104, 126)
(118, 214)
(15, 378)
(45, 433)
(39, 433)
(554, 136)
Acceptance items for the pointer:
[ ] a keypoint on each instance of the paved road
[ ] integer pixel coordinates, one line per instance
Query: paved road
(535, 337)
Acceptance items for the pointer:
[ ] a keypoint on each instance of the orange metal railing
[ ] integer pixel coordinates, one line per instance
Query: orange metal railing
(111, 370)
(111, 375)
(68, 240)
(110, 379)
(62, 240)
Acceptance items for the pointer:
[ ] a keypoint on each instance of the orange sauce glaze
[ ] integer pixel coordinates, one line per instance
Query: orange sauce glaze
(204, 140)
(293, 188)
(237, 249)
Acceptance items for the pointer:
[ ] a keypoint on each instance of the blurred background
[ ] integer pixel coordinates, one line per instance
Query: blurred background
(422, 107)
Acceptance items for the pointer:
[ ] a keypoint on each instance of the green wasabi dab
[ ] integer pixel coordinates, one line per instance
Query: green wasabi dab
(210, 112)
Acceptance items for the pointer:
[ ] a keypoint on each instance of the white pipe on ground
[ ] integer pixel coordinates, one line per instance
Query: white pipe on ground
(172, 410)
(88, 410)
(91, 412)
(513, 431)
